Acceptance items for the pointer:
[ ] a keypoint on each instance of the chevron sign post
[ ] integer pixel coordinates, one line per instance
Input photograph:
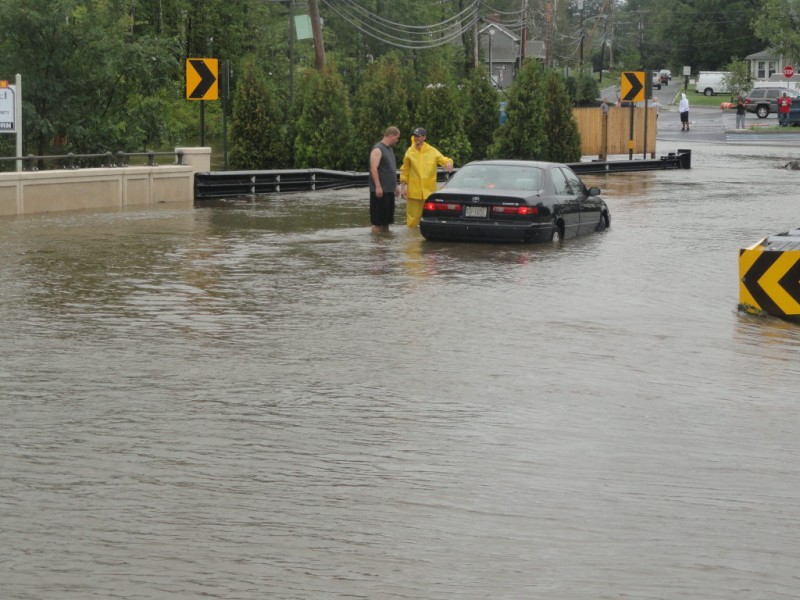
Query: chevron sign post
(769, 276)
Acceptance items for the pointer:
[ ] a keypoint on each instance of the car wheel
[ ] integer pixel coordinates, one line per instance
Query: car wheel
(708, 92)
(762, 112)
(601, 226)
(558, 233)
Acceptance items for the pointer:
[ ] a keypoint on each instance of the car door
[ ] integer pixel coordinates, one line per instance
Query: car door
(570, 209)
(589, 206)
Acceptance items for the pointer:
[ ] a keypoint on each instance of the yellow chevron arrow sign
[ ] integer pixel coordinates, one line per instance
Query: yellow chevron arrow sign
(769, 276)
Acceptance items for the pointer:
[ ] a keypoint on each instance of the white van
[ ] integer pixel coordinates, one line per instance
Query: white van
(710, 82)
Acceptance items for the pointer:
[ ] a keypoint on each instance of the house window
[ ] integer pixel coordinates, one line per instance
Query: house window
(772, 67)
(761, 70)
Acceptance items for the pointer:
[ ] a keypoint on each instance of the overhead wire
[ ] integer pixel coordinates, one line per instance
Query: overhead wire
(447, 30)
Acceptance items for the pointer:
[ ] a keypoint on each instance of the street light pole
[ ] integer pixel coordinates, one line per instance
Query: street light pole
(491, 66)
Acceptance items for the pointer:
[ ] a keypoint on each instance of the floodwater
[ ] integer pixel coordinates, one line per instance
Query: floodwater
(262, 400)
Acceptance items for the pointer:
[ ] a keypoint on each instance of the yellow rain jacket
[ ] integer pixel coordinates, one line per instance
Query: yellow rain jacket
(419, 170)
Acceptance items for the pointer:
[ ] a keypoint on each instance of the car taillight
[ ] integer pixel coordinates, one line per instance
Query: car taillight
(439, 206)
(515, 210)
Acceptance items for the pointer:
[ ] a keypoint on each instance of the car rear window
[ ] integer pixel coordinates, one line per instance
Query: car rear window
(502, 177)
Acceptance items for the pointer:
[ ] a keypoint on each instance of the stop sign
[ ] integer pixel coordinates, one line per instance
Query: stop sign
(788, 71)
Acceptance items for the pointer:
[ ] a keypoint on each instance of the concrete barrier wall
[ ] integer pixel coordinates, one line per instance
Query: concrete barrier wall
(31, 192)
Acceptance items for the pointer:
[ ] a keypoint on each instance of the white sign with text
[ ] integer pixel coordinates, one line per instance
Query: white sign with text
(8, 109)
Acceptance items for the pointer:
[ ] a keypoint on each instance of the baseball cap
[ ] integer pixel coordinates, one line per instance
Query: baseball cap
(420, 131)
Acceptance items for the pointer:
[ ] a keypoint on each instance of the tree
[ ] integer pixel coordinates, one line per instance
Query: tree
(564, 140)
(482, 113)
(259, 123)
(739, 81)
(441, 112)
(523, 135)
(84, 74)
(381, 101)
(779, 24)
(324, 127)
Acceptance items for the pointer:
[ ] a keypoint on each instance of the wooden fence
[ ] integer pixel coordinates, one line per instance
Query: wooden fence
(603, 136)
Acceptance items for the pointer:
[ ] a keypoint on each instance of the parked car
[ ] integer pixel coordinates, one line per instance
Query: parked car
(656, 80)
(665, 75)
(764, 100)
(513, 201)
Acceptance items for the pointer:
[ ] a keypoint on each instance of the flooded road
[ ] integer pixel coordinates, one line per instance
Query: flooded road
(262, 400)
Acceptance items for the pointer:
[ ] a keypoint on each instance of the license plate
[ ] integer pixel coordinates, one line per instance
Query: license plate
(475, 211)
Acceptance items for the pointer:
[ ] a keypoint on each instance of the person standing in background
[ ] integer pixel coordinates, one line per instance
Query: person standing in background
(740, 113)
(784, 105)
(683, 109)
(657, 105)
(383, 181)
(418, 174)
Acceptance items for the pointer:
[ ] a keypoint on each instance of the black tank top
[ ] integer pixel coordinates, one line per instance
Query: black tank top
(387, 169)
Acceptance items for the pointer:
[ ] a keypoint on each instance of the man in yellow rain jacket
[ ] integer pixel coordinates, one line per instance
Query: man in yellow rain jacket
(418, 174)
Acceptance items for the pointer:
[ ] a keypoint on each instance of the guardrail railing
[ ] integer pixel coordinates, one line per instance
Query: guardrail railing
(31, 162)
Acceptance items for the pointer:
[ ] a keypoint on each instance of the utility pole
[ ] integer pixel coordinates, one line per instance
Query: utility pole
(523, 43)
(548, 40)
(316, 29)
(580, 8)
(475, 54)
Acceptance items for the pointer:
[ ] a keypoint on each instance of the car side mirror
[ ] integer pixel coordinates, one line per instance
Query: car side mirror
(594, 191)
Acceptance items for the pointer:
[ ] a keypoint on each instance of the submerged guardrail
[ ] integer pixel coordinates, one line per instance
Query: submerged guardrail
(229, 184)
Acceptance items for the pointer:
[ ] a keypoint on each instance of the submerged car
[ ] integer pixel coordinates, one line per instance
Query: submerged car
(513, 201)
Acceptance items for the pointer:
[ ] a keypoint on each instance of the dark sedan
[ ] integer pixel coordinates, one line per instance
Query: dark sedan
(513, 201)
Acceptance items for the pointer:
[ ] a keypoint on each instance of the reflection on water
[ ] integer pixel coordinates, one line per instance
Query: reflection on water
(262, 399)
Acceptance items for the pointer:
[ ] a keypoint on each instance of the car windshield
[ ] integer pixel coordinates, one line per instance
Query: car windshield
(500, 177)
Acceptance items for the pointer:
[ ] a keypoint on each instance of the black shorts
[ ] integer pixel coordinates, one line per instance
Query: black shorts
(381, 210)
(685, 117)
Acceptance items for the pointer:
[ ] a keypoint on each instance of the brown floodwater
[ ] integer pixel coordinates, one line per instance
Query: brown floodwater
(259, 399)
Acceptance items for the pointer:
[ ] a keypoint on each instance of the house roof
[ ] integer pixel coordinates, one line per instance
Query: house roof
(767, 54)
(498, 28)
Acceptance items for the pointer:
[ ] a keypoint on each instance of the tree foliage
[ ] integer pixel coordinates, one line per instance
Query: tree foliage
(259, 123)
(779, 22)
(563, 139)
(523, 135)
(381, 101)
(441, 112)
(324, 123)
(482, 112)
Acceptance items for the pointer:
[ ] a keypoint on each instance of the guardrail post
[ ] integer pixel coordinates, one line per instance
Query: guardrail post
(121, 159)
(28, 164)
(109, 160)
(151, 159)
(179, 157)
(71, 160)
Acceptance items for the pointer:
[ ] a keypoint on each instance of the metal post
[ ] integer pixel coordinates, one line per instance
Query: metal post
(491, 66)
(18, 117)
(202, 122)
(226, 67)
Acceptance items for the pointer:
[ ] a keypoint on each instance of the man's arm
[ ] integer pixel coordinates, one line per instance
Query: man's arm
(374, 161)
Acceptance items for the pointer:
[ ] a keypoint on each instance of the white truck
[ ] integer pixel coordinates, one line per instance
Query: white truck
(710, 83)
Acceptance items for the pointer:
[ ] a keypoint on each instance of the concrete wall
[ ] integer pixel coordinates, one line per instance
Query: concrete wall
(31, 192)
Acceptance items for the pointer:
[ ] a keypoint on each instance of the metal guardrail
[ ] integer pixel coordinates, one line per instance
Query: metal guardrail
(230, 184)
(31, 162)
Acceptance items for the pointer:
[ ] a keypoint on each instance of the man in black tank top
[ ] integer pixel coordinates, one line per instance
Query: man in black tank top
(383, 181)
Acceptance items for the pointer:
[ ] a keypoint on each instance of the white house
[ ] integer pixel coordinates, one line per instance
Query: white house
(768, 65)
